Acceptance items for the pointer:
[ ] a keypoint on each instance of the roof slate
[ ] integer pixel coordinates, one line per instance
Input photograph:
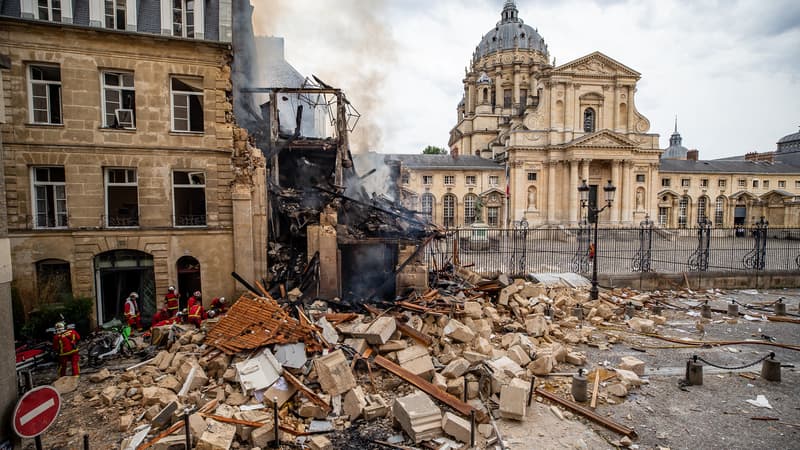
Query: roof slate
(721, 166)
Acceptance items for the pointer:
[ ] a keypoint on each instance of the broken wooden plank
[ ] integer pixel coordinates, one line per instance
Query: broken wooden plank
(595, 389)
(782, 319)
(588, 413)
(430, 389)
(247, 423)
(311, 395)
(176, 426)
(409, 331)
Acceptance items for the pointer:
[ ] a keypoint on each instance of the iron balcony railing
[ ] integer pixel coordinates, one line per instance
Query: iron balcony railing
(619, 250)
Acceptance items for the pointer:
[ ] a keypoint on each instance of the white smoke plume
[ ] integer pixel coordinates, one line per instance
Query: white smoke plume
(346, 43)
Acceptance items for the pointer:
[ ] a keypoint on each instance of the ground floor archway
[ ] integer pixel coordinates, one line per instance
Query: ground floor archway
(189, 279)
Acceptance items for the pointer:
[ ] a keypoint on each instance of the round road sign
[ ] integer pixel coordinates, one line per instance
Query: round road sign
(36, 411)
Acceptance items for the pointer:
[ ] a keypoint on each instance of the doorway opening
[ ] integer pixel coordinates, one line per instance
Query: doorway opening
(188, 278)
(117, 274)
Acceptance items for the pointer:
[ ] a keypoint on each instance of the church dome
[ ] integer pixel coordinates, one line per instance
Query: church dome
(510, 33)
(675, 149)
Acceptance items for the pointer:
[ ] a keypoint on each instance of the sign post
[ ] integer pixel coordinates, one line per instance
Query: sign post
(36, 411)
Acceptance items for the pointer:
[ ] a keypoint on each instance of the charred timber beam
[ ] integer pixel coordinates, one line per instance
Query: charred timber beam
(377, 208)
(462, 408)
(588, 413)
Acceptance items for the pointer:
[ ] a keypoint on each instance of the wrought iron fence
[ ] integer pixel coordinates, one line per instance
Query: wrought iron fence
(619, 250)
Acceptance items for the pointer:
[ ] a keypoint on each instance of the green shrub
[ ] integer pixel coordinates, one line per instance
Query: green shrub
(72, 311)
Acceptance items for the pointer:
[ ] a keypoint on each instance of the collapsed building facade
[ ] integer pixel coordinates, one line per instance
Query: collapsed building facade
(330, 235)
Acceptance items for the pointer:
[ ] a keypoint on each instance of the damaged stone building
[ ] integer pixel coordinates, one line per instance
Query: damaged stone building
(124, 170)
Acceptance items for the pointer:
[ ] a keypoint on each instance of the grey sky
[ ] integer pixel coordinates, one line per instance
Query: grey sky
(730, 70)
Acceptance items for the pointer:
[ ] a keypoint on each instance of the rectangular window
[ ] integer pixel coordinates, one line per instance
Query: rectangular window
(765, 184)
(742, 182)
(122, 198)
(449, 180)
(719, 212)
(187, 104)
(119, 100)
(49, 197)
(406, 178)
(665, 182)
(662, 216)
(427, 180)
(471, 180)
(722, 183)
(755, 183)
(189, 198)
(49, 10)
(494, 180)
(449, 210)
(781, 183)
(531, 176)
(493, 216)
(183, 18)
(427, 205)
(115, 14)
(523, 98)
(797, 184)
(53, 281)
(704, 182)
(684, 182)
(45, 89)
(507, 98)
(640, 178)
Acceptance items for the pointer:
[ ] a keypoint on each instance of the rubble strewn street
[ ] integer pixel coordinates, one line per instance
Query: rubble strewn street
(473, 361)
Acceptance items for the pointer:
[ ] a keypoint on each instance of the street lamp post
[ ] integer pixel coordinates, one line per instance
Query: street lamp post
(592, 215)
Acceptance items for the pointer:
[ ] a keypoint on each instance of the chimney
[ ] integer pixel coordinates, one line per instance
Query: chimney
(692, 155)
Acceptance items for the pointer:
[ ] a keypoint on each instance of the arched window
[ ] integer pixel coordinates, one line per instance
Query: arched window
(470, 201)
(683, 208)
(719, 211)
(701, 208)
(588, 120)
(449, 210)
(427, 205)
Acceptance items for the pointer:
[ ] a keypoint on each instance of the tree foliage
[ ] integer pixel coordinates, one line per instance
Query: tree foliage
(433, 150)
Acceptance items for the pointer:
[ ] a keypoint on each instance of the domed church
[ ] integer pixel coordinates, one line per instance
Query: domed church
(553, 126)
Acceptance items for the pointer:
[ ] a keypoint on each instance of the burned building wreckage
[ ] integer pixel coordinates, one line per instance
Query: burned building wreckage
(330, 235)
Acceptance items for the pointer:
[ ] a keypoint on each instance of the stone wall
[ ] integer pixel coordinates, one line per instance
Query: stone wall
(84, 147)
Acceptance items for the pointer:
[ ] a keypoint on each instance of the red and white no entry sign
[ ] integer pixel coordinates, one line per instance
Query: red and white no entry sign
(36, 411)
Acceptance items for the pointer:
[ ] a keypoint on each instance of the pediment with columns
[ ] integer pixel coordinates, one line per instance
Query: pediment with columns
(596, 64)
(602, 139)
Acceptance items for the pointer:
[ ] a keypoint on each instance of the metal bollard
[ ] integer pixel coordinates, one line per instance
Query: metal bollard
(771, 369)
(186, 430)
(465, 389)
(780, 307)
(705, 310)
(472, 426)
(277, 442)
(577, 311)
(694, 372)
(579, 390)
(85, 442)
(630, 310)
(733, 309)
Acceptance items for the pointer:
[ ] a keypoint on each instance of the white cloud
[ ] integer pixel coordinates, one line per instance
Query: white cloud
(728, 69)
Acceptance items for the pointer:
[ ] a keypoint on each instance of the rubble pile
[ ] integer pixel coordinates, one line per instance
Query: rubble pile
(495, 351)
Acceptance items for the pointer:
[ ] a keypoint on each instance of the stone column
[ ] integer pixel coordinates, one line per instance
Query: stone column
(551, 191)
(615, 208)
(569, 111)
(498, 91)
(625, 189)
(585, 163)
(470, 100)
(572, 191)
(629, 128)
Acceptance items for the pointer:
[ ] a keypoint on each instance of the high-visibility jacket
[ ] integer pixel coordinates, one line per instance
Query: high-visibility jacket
(172, 301)
(131, 309)
(196, 312)
(191, 302)
(66, 342)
